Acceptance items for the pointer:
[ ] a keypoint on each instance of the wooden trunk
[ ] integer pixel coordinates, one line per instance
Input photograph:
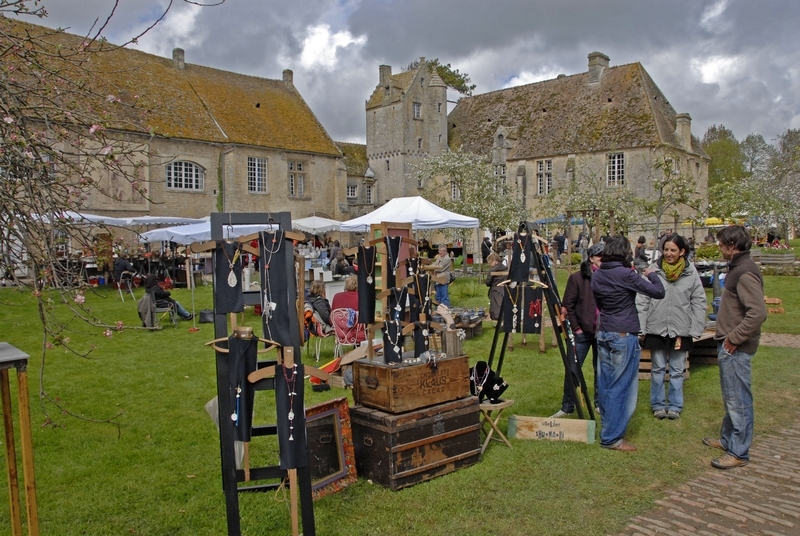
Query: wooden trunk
(400, 388)
(397, 451)
(451, 344)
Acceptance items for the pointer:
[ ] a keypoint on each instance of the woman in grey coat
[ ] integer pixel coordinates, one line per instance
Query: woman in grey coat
(670, 324)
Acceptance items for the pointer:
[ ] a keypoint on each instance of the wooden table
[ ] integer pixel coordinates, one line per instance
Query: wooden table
(11, 357)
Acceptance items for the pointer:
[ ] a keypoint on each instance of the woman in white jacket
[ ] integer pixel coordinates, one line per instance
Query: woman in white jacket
(668, 325)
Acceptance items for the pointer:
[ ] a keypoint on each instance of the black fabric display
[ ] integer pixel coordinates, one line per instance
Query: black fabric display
(528, 302)
(420, 300)
(366, 290)
(392, 338)
(227, 298)
(520, 269)
(392, 259)
(484, 383)
(242, 358)
(275, 285)
(294, 452)
(396, 301)
(422, 333)
(657, 342)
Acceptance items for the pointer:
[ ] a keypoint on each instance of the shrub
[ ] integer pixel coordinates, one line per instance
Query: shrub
(575, 258)
(709, 252)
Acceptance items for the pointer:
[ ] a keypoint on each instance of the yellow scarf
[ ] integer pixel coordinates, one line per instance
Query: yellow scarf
(673, 271)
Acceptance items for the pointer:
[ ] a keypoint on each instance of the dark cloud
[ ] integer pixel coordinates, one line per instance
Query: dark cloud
(729, 62)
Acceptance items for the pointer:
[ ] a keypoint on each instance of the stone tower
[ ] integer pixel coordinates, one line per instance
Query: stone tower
(406, 123)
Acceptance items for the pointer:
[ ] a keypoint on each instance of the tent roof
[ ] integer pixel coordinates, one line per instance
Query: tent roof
(198, 232)
(419, 212)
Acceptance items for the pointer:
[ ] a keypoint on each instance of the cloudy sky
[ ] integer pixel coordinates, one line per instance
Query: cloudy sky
(731, 62)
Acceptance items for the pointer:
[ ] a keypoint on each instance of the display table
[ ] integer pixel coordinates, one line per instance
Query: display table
(11, 357)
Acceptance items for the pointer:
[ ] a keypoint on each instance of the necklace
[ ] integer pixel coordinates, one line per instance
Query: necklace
(393, 258)
(522, 245)
(399, 302)
(291, 382)
(479, 382)
(396, 341)
(513, 298)
(368, 269)
(235, 416)
(268, 306)
(231, 276)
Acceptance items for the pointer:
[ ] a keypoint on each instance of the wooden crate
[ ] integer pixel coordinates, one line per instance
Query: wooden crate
(645, 366)
(397, 451)
(399, 388)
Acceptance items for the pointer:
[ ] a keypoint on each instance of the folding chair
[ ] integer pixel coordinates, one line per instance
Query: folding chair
(487, 408)
(126, 282)
(165, 309)
(347, 329)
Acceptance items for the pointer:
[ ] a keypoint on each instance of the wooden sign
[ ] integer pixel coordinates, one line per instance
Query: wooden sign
(520, 427)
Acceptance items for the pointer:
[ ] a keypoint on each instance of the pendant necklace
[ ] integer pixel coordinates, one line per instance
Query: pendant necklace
(396, 341)
(394, 259)
(231, 276)
(479, 382)
(291, 382)
(235, 416)
(370, 280)
(268, 306)
(514, 298)
(522, 245)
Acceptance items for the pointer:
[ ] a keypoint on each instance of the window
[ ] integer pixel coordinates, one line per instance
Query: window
(455, 193)
(439, 107)
(256, 174)
(297, 179)
(500, 171)
(420, 183)
(615, 173)
(368, 194)
(419, 143)
(387, 165)
(352, 190)
(417, 110)
(544, 176)
(440, 138)
(185, 176)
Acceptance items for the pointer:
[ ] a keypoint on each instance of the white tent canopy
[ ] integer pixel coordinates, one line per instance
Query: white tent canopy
(83, 218)
(162, 220)
(315, 225)
(419, 212)
(199, 232)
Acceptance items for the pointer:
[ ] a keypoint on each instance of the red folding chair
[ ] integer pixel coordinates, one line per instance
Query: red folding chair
(347, 329)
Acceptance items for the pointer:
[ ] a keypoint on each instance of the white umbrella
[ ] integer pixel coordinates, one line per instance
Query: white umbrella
(199, 232)
(316, 225)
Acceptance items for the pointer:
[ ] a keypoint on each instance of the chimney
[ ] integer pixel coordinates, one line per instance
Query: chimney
(597, 62)
(177, 58)
(288, 77)
(386, 73)
(683, 128)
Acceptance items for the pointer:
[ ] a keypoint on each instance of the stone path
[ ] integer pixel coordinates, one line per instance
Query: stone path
(762, 498)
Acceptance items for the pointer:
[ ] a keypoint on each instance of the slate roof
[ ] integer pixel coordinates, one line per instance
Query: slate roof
(568, 115)
(197, 102)
(355, 158)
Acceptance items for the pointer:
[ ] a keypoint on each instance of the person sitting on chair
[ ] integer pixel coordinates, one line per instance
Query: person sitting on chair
(317, 300)
(122, 264)
(160, 296)
(349, 298)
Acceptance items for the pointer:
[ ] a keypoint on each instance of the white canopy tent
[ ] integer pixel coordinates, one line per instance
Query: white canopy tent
(198, 232)
(316, 225)
(419, 212)
(163, 220)
(84, 218)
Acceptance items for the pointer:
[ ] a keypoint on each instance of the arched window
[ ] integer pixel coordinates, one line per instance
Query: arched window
(185, 176)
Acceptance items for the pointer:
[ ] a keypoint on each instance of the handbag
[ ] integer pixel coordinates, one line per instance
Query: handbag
(452, 276)
(206, 316)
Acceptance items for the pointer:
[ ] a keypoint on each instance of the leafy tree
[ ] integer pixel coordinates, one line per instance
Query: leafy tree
(453, 78)
(727, 160)
(61, 133)
(466, 183)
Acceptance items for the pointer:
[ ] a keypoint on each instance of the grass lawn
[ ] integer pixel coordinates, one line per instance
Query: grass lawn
(159, 472)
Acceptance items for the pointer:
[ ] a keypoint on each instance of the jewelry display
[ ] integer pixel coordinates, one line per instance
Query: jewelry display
(369, 269)
(513, 297)
(231, 262)
(291, 382)
(393, 252)
(522, 245)
(268, 305)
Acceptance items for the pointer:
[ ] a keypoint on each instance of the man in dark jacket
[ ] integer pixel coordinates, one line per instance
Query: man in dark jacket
(151, 286)
(486, 248)
(579, 307)
(738, 330)
(615, 286)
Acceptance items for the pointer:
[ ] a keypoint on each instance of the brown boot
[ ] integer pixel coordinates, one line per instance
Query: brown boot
(728, 461)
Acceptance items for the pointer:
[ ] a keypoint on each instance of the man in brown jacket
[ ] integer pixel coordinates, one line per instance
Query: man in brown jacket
(741, 314)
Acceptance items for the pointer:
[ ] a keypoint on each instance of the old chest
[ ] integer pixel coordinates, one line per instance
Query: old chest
(397, 451)
(401, 388)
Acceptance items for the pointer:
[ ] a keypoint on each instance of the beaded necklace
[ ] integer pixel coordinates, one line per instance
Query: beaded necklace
(291, 382)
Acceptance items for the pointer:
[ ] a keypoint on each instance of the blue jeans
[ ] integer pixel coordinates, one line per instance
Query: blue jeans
(583, 343)
(442, 295)
(618, 383)
(183, 313)
(736, 433)
(659, 360)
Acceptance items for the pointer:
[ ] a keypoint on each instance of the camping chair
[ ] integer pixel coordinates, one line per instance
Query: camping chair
(347, 329)
(314, 328)
(126, 282)
(165, 310)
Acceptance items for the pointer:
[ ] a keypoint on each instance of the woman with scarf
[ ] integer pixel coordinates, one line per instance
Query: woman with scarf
(670, 324)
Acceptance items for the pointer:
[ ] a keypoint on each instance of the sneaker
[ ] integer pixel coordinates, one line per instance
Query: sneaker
(660, 414)
(712, 442)
(728, 461)
(560, 414)
(673, 415)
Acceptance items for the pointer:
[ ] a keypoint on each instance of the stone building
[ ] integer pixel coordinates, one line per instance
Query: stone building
(211, 140)
(406, 123)
(609, 122)
(359, 180)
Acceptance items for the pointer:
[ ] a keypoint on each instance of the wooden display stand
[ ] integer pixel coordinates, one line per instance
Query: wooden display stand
(11, 357)
(397, 451)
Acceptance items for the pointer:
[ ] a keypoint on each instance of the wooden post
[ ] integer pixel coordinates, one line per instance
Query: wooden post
(26, 439)
(11, 456)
